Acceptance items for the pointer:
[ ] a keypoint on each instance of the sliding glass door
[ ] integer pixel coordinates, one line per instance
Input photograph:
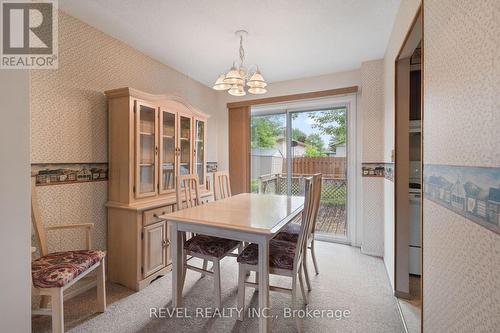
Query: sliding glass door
(268, 153)
(315, 142)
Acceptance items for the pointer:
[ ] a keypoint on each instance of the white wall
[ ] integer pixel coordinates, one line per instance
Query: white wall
(317, 83)
(371, 124)
(15, 222)
(404, 18)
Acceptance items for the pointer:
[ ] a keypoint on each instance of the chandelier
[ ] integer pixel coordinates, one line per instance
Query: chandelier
(237, 79)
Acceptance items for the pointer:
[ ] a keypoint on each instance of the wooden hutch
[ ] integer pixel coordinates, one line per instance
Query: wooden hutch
(152, 140)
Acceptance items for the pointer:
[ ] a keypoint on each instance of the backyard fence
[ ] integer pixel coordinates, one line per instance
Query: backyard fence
(333, 190)
(328, 166)
(331, 218)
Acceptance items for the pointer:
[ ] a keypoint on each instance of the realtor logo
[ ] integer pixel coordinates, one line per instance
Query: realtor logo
(29, 34)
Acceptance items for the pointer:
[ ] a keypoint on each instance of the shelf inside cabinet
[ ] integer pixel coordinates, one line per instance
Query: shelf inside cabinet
(146, 133)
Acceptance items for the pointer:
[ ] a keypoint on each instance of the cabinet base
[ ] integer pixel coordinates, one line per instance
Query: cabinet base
(147, 281)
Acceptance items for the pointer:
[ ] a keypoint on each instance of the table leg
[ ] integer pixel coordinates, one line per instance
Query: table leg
(264, 285)
(177, 264)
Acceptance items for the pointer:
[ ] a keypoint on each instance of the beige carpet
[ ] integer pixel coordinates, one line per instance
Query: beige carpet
(348, 280)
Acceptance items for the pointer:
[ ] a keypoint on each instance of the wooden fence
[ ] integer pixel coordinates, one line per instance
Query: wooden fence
(330, 166)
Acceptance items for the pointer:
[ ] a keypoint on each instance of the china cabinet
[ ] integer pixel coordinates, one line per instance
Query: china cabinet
(152, 140)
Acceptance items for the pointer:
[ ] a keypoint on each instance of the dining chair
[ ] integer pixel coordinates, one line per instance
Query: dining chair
(53, 273)
(222, 185)
(291, 232)
(285, 258)
(207, 248)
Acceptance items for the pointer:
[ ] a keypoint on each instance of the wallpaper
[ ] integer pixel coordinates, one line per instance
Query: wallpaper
(461, 113)
(372, 131)
(69, 119)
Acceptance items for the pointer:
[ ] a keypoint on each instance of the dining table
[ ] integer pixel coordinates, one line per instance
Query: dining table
(247, 217)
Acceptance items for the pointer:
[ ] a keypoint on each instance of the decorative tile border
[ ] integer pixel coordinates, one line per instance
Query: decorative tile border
(378, 170)
(68, 173)
(472, 192)
(212, 167)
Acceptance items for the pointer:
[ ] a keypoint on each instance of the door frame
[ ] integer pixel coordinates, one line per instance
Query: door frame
(417, 19)
(353, 218)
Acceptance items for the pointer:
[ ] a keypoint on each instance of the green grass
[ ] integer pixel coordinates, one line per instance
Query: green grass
(254, 186)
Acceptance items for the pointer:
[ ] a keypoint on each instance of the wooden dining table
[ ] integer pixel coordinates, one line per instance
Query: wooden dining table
(247, 217)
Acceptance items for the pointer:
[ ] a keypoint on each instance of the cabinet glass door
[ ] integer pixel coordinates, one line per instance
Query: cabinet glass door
(184, 145)
(145, 180)
(167, 151)
(199, 150)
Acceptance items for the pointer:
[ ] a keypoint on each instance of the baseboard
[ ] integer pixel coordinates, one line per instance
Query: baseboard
(403, 320)
(368, 253)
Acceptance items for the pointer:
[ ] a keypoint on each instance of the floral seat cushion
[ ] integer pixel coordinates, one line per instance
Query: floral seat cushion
(57, 269)
(281, 254)
(210, 246)
(290, 233)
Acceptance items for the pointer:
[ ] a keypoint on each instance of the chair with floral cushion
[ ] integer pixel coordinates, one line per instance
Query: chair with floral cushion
(285, 258)
(291, 232)
(53, 273)
(207, 248)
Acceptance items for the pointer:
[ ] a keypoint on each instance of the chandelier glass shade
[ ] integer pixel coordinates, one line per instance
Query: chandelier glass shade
(236, 79)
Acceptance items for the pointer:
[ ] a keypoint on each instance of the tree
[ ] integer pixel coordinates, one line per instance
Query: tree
(265, 131)
(316, 141)
(331, 122)
(312, 151)
(298, 135)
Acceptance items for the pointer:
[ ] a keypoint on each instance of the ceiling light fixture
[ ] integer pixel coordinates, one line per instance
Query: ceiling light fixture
(235, 80)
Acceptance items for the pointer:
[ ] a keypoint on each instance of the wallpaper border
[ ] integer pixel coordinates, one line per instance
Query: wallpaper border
(471, 192)
(378, 170)
(68, 173)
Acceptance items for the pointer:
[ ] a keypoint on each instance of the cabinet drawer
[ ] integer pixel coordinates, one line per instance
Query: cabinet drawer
(151, 216)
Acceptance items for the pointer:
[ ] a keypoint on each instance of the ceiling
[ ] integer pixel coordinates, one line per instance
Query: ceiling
(288, 39)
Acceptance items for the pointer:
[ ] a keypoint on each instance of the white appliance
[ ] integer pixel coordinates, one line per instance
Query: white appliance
(415, 246)
(415, 197)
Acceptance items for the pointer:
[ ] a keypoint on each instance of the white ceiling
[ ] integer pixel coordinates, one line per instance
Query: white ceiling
(288, 39)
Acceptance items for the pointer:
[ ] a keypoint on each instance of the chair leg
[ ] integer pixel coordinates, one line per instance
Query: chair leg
(302, 289)
(205, 264)
(101, 287)
(56, 298)
(242, 272)
(217, 289)
(294, 291)
(313, 255)
(184, 271)
(306, 273)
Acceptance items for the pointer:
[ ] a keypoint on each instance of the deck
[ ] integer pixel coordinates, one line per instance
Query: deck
(332, 215)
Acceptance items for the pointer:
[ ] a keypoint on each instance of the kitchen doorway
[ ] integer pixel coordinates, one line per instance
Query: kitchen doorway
(408, 178)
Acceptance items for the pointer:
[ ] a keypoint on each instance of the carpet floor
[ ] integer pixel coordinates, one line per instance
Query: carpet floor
(348, 280)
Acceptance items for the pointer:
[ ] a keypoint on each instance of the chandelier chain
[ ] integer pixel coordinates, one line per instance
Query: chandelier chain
(242, 52)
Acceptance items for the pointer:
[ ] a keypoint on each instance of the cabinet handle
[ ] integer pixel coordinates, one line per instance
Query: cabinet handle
(165, 243)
